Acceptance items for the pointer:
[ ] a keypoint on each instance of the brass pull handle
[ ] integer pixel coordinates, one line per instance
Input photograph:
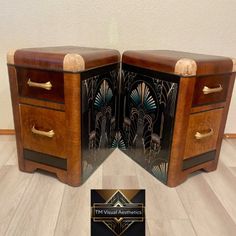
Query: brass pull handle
(48, 134)
(46, 85)
(198, 135)
(207, 90)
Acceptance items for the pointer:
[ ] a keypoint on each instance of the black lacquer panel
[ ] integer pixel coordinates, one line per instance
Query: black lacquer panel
(99, 117)
(147, 110)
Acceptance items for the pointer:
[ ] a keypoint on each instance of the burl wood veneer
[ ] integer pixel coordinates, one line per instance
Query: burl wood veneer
(167, 110)
(174, 109)
(64, 101)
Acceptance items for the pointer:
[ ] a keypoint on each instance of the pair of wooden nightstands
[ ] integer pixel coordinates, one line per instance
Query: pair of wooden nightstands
(167, 110)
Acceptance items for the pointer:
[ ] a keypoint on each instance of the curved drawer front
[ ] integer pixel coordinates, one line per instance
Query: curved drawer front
(210, 89)
(39, 84)
(43, 130)
(202, 134)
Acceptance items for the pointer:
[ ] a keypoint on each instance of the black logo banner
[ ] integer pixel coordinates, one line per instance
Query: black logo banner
(118, 212)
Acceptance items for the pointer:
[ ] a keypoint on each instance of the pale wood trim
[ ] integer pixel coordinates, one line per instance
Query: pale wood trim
(7, 132)
(186, 67)
(234, 64)
(73, 62)
(10, 57)
(230, 136)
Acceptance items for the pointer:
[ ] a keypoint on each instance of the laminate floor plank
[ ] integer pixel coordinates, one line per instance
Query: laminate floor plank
(13, 184)
(114, 165)
(233, 170)
(170, 227)
(207, 214)
(228, 154)
(7, 150)
(38, 211)
(38, 204)
(221, 182)
(162, 202)
(74, 216)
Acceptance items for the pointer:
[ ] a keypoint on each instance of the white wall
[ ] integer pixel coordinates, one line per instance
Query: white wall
(204, 26)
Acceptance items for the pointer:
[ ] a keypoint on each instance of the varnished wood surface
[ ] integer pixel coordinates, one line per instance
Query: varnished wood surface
(199, 98)
(93, 57)
(179, 136)
(202, 122)
(43, 120)
(165, 61)
(38, 204)
(55, 94)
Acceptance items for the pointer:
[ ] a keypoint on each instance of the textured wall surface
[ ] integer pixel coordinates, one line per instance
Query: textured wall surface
(196, 26)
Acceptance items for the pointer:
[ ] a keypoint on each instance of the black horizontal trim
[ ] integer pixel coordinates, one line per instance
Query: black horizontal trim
(45, 159)
(197, 160)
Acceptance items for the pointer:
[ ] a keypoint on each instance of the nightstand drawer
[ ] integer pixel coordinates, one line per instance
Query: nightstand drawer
(202, 134)
(41, 84)
(43, 130)
(210, 89)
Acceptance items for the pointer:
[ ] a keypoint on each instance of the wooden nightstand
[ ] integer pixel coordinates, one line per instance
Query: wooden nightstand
(174, 109)
(64, 104)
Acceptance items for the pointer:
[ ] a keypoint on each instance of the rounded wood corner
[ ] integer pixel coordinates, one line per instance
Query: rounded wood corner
(10, 57)
(186, 67)
(234, 64)
(73, 62)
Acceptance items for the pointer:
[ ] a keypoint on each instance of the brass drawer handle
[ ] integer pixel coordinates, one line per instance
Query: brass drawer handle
(207, 90)
(48, 134)
(198, 135)
(46, 85)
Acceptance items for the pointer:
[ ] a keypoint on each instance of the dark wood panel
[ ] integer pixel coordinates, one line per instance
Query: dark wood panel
(52, 57)
(44, 120)
(197, 160)
(165, 61)
(214, 81)
(55, 94)
(45, 159)
(16, 114)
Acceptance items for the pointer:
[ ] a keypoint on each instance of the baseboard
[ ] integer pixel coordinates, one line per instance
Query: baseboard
(230, 136)
(7, 131)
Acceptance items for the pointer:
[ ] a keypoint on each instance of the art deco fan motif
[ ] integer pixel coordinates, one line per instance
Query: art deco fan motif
(142, 97)
(103, 96)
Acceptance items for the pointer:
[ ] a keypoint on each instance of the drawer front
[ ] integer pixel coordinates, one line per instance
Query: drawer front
(40, 84)
(43, 130)
(202, 134)
(210, 89)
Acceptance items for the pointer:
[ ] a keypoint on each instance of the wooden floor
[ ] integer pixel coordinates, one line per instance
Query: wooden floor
(38, 204)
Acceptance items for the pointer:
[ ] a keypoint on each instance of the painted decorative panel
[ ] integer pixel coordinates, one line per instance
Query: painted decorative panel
(147, 118)
(99, 99)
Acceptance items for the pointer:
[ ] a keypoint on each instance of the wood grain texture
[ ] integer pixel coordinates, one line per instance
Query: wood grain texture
(16, 113)
(55, 94)
(72, 88)
(165, 61)
(41, 205)
(186, 89)
(202, 122)
(207, 107)
(221, 182)
(206, 212)
(213, 81)
(44, 120)
(52, 58)
(42, 103)
(13, 184)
